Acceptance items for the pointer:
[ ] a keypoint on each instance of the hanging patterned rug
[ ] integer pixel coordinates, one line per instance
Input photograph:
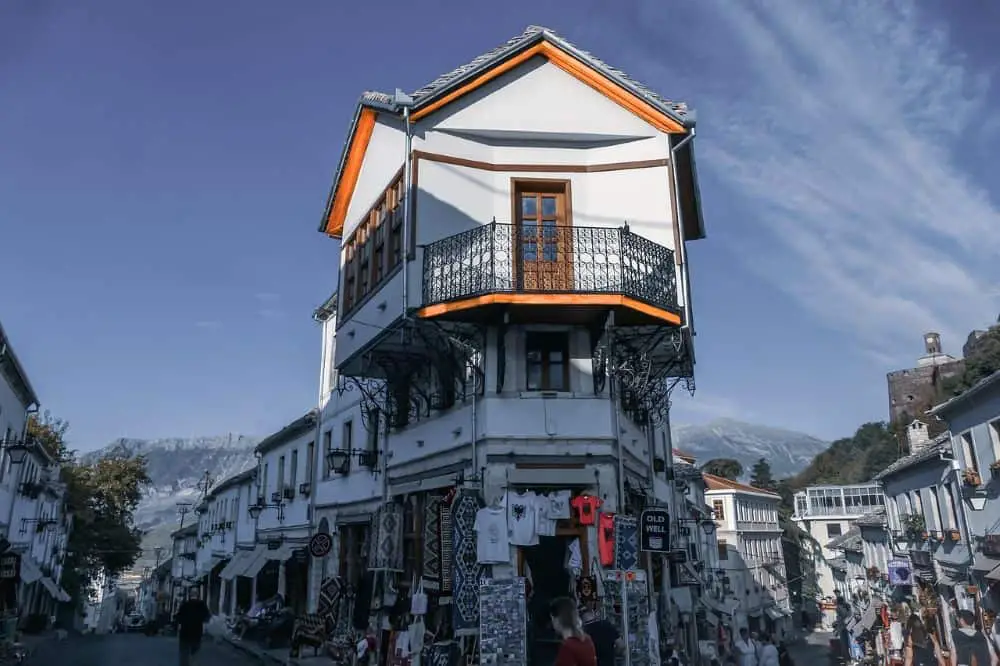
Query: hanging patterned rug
(465, 566)
(445, 548)
(329, 600)
(626, 543)
(388, 553)
(432, 543)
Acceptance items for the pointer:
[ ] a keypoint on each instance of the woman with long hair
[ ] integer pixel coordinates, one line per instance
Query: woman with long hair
(920, 645)
(576, 649)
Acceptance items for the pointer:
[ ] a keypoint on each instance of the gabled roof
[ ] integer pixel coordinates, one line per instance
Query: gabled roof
(714, 482)
(849, 541)
(874, 518)
(234, 480)
(667, 115)
(300, 425)
(931, 450)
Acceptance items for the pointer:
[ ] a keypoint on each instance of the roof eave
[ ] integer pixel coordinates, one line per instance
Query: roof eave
(297, 427)
(688, 122)
(949, 406)
(323, 224)
(7, 353)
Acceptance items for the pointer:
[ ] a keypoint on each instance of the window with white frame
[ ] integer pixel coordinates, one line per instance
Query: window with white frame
(969, 452)
(936, 509)
(994, 428)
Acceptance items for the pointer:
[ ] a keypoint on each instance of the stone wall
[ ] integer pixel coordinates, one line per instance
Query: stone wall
(915, 390)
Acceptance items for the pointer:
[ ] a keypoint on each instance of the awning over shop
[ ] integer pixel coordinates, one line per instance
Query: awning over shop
(265, 555)
(774, 613)
(237, 564)
(715, 605)
(29, 570)
(206, 566)
(994, 575)
(54, 590)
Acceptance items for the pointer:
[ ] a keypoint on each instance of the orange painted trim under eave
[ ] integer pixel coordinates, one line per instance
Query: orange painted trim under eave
(608, 300)
(349, 174)
(627, 100)
(480, 80)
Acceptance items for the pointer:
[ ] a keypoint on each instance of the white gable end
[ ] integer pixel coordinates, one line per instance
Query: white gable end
(538, 97)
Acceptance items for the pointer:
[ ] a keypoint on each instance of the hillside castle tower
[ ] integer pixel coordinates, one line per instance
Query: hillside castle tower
(914, 390)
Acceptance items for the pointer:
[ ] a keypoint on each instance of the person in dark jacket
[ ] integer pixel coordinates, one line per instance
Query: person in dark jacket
(191, 618)
(607, 643)
(971, 646)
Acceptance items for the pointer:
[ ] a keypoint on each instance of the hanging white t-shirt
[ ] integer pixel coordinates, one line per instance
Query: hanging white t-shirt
(559, 505)
(545, 525)
(521, 518)
(492, 543)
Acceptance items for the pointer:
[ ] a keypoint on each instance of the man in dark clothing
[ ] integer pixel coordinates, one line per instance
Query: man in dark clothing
(605, 636)
(190, 620)
(971, 646)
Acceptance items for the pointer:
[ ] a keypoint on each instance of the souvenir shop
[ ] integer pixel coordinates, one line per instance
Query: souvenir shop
(450, 578)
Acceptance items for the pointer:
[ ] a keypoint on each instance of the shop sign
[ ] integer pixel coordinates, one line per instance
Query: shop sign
(320, 545)
(654, 531)
(991, 545)
(8, 566)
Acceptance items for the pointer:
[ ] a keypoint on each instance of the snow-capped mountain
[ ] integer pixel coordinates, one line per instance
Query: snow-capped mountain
(787, 451)
(176, 467)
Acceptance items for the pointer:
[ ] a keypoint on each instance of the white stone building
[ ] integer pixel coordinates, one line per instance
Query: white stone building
(35, 525)
(750, 556)
(826, 513)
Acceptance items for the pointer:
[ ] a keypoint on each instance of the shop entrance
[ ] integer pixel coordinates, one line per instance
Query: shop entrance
(547, 566)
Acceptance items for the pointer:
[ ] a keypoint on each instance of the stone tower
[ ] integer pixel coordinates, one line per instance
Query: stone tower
(914, 390)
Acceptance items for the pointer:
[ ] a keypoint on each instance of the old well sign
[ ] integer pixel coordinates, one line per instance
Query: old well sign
(654, 531)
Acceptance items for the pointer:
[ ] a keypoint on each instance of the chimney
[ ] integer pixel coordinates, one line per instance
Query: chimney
(932, 343)
(916, 436)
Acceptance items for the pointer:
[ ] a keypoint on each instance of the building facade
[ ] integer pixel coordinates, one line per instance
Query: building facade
(748, 539)
(974, 420)
(826, 513)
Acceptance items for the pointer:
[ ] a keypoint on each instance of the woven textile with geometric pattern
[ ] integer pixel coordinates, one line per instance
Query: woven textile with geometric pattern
(466, 569)
(447, 550)
(309, 629)
(388, 549)
(626, 543)
(432, 543)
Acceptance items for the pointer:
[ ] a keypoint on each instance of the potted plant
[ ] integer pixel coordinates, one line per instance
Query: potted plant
(970, 477)
(913, 525)
(937, 536)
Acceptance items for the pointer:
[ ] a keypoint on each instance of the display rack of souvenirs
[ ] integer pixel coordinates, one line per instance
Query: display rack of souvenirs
(503, 624)
(626, 599)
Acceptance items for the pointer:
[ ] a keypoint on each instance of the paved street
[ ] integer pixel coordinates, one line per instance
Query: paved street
(814, 650)
(126, 649)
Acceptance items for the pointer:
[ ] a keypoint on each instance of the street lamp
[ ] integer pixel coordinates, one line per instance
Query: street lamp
(17, 451)
(708, 526)
(339, 460)
(258, 508)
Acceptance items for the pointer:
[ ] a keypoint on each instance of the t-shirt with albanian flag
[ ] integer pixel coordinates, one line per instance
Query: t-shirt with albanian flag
(586, 508)
(521, 516)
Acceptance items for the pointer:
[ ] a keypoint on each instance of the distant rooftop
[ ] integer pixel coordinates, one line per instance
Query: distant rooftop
(713, 482)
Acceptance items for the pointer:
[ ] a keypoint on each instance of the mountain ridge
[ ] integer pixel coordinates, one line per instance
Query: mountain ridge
(177, 465)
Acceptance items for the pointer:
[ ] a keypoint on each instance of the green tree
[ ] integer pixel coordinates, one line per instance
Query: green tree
(760, 476)
(102, 498)
(983, 360)
(724, 467)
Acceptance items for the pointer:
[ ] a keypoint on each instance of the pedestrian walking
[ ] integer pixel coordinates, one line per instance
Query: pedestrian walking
(746, 649)
(191, 618)
(577, 648)
(768, 652)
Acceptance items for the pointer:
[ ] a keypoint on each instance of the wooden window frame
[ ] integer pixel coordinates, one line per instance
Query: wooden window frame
(546, 365)
(723, 549)
(559, 187)
(373, 251)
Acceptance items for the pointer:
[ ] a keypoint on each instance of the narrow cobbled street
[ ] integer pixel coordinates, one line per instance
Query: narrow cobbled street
(812, 650)
(122, 649)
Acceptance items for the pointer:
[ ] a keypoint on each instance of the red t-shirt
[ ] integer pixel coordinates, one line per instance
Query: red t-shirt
(606, 538)
(586, 507)
(576, 652)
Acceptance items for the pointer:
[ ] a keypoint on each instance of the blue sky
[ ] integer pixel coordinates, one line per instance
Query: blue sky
(163, 167)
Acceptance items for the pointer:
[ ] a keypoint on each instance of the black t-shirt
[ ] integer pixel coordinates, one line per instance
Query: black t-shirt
(191, 618)
(604, 635)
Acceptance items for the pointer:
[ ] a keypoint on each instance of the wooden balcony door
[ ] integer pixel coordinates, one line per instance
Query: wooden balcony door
(543, 229)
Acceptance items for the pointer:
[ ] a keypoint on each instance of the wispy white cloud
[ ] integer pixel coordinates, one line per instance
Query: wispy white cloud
(838, 124)
(208, 324)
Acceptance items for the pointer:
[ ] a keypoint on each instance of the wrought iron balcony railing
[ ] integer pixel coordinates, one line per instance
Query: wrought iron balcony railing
(528, 258)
